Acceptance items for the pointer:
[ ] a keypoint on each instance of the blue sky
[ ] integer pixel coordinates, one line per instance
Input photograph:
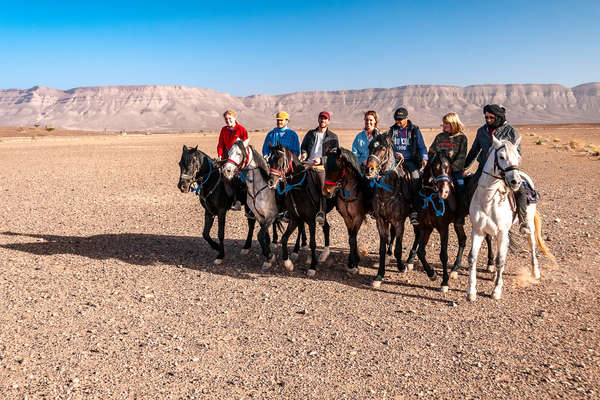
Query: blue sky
(270, 47)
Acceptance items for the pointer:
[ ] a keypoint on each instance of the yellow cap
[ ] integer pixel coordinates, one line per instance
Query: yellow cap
(282, 115)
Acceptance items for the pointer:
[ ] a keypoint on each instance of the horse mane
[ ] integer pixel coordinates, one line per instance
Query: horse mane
(351, 159)
(260, 162)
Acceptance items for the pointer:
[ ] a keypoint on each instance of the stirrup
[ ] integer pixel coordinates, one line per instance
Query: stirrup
(283, 217)
(414, 219)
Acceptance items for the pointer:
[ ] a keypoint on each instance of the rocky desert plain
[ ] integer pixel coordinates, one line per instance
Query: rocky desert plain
(107, 289)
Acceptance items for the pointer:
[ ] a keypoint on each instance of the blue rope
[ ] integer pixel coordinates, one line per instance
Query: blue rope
(199, 188)
(244, 177)
(379, 183)
(290, 187)
(429, 199)
(347, 193)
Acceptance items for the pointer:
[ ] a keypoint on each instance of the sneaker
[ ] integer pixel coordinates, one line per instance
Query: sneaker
(320, 218)
(237, 206)
(524, 228)
(414, 218)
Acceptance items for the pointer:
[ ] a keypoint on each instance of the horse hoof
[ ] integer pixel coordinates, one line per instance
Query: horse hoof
(352, 271)
(496, 295)
(218, 261)
(294, 256)
(433, 277)
(324, 255)
(289, 265)
(311, 272)
(244, 251)
(304, 247)
(376, 284)
(266, 265)
(453, 275)
(410, 266)
(491, 268)
(308, 260)
(471, 297)
(444, 289)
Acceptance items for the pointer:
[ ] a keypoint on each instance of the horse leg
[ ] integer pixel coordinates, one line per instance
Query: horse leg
(491, 267)
(265, 243)
(503, 241)
(353, 256)
(444, 257)
(533, 228)
(383, 229)
(303, 232)
(287, 263)
(425, 233)
(391, 243)
(221, 234)
(398, 252)
(462, 243)
(410, 263)
(325, 253)
(312, 230)
(275, 234)
(296, 249)
(476, 240)
(209, 219)
(248, 243)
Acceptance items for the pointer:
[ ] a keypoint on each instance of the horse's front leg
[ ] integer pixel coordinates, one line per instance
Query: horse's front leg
(476, 240)
(265, 243)
(383, 228)
(325, 253)
(424, 235)
(491, 267)
(503, 241)
(462, 243)
(275, 234)
(398, 251)
(353, 256)
(221, 234)
(248, 243)
(287, 263)
(209, 219)
(444, 257)
(312, 230)
(410, 262)
(296, 248)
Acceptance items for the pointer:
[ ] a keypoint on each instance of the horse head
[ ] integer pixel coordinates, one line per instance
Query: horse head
(381, 156)
(237, 159)
(440, 169)
(280, 164)
(192, 164)
(506, 160)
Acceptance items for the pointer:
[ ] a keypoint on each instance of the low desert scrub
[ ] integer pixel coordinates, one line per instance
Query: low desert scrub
(593, 150)
(49, 129)
(556, 139)
(576, 144)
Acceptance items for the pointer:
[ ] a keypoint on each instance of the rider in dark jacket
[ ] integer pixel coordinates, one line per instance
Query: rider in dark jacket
(495, 124)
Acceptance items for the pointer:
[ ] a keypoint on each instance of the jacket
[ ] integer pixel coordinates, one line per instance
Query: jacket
(330, 141)
(228, 136)
(360, 146)
(412, 147)
(455, 144)
(483, 143)
(286, 137)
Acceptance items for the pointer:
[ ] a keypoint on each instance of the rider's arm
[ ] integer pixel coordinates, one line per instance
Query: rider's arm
(473, 153)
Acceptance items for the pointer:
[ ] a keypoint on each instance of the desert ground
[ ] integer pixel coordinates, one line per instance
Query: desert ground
(107, 289)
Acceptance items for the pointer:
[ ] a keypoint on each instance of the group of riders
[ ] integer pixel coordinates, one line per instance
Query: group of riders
(409, 149)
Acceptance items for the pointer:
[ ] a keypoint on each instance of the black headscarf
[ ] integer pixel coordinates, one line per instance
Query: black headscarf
(500, 114)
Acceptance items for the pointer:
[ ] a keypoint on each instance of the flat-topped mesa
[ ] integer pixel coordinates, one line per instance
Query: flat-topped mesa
(172, 108)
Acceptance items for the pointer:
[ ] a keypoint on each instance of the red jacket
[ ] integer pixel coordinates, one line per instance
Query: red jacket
(228, 136)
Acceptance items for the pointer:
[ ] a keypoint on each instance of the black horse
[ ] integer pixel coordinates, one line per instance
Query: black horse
(301, 189)
(345, 181)
(438, 211)
(391, 203)
(196, 167)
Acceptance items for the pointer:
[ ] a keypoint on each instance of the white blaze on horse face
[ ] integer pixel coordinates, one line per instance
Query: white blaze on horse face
(230, 168)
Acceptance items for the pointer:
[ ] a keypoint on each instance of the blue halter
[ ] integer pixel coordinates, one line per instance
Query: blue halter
(429, 199)
(380, 182)
(347, 193)
(199, 188)
(290, 187)
(244, 177)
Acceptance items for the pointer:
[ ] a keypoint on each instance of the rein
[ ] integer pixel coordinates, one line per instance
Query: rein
(289, 187)
(379, 183)
(429, 199)
(197, 191)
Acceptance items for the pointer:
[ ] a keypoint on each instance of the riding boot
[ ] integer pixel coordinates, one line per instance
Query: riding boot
(320, 218)
(414, 215)
(521, 199)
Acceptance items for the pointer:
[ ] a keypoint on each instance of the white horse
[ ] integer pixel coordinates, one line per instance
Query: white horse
(491, 213)
(260, 198)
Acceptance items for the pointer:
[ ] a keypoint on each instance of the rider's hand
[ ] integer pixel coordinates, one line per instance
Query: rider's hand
(398, 156)
(423, 164)
(316, 160)
(303, 156)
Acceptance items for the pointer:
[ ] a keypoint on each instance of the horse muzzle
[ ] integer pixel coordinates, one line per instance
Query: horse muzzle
(184, 185)
(228, 171)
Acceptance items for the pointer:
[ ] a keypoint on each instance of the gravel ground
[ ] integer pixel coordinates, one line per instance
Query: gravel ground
(108, 291)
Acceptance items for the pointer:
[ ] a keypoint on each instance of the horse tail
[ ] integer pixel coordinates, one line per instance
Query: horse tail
(537, 220)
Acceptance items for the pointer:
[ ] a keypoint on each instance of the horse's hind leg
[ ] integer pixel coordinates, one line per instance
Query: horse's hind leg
(248, 243)
(425, 233)
(491, 260)
(500, 263)
(410, 262)
(312, 230)
(325, 253)
(462, 243)
(476, 240)
(535, 268)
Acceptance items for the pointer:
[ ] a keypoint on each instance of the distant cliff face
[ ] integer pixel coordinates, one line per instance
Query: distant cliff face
(173, 108)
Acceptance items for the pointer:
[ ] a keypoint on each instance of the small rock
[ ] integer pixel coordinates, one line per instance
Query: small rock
(312, 353)
(557, 219)
(453, 304)
(353, 353)
(386, 342)
(149, 296)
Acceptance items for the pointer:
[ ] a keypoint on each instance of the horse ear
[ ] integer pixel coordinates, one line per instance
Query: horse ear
(196, 148)
(496, 142)
(185, 148)
(518, 141)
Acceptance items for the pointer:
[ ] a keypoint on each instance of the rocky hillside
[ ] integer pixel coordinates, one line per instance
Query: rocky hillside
(174, 108)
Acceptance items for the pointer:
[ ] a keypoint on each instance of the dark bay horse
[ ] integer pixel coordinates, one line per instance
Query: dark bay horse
(391, 203)
(301, 188)
(438, 211)
(345, 181)
(196, 167)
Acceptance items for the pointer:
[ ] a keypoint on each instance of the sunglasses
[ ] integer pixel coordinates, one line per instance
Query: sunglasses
(490, 117)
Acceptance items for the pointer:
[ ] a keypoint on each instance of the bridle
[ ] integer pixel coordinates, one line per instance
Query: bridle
(290, 166)
(246, 157)
(498, 167)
